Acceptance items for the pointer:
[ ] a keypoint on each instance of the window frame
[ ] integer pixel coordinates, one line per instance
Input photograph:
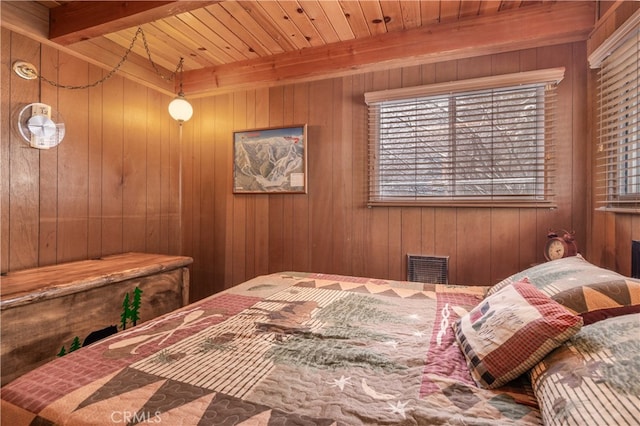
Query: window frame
(618, 118)
(548, 77)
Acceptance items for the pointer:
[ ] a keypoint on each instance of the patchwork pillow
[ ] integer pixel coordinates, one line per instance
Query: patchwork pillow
(593, 377)
(511, 331)
(594, 293)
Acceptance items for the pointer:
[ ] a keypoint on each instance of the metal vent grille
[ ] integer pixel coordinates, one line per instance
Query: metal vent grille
(428, 269)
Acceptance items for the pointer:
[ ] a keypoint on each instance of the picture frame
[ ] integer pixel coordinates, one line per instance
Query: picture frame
(271, 160)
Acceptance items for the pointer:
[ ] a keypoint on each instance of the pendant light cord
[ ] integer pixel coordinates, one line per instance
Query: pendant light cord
(124, 58)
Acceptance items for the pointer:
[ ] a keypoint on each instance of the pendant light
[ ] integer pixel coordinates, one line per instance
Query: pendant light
(179, 108)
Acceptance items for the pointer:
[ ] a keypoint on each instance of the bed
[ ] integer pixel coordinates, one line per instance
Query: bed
(317, 349)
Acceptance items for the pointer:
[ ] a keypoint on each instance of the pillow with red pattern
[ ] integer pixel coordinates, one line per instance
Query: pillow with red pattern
(510, 331)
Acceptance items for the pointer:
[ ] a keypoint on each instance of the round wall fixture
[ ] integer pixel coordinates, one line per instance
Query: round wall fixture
(25, 70)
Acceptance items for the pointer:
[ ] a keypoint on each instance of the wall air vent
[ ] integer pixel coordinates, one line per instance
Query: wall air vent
(428, 269)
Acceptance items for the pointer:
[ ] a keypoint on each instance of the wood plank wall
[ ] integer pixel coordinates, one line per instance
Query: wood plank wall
(124, 179)
(235, 237)
(112, 186)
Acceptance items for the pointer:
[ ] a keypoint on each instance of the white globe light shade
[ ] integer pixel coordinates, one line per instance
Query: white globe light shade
(180, 109)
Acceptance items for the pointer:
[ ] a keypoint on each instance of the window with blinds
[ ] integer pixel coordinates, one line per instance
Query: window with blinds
(618, 157)
(481, 141)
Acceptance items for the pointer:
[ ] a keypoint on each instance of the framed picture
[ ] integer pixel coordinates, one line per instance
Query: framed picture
(271, 160)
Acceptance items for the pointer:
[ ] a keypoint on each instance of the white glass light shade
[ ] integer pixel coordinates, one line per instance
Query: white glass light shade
(180, 109)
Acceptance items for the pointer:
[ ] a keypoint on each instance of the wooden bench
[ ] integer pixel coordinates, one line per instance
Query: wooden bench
(43, 309)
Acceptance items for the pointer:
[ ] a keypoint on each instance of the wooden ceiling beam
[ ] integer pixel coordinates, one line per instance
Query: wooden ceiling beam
(83, 20)
(31, 19)
(534, 26)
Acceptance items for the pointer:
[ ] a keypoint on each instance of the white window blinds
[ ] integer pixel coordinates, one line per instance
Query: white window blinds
(481, 141)
(618, 156)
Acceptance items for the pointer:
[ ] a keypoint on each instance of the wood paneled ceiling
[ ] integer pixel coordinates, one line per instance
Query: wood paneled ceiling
(230, 45)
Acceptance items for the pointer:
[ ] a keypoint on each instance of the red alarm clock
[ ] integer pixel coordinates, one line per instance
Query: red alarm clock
(558, 247)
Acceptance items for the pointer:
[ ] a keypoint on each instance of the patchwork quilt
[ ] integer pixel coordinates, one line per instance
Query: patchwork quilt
(294, 348)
